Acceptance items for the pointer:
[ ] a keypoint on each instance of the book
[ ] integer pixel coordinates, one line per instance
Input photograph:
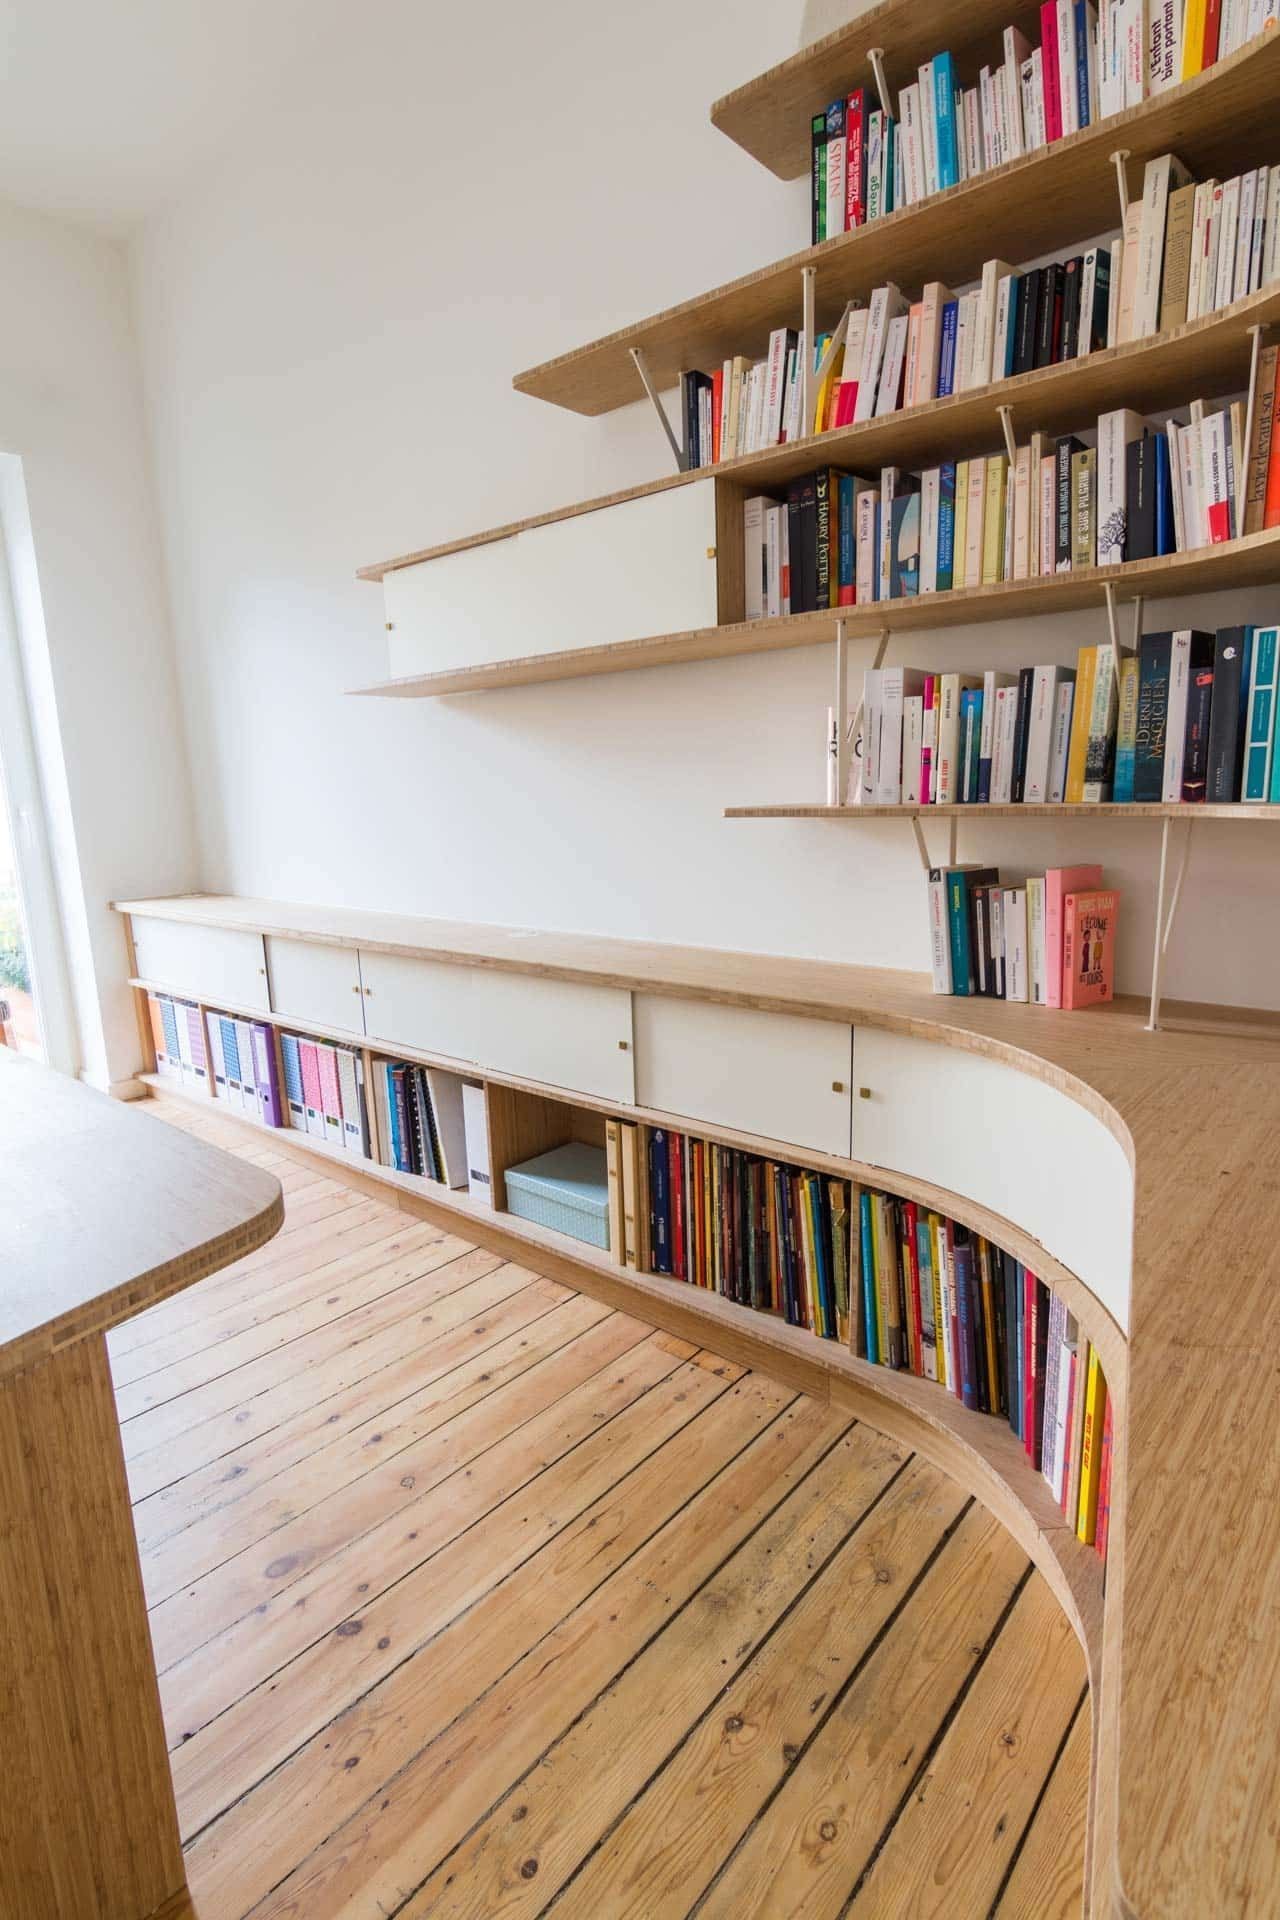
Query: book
(1155, 660)
(1058, 884)
(1256, 779)
(1091, 1450)
(1088, 948)
(1228, 721)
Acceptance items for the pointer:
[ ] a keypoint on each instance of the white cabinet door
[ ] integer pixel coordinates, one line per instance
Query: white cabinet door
(316, 984)
(775, 1074)
(422, 1004)
(561, 1032)
(214, 964)
(1006, 1140)
(642, 567)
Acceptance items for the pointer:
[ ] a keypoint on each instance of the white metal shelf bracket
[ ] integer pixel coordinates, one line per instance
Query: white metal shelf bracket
(876, 56)
(839, 784)
(1255, 354)
(808, 290)
(1165, 917)
(637, 354)
(1117, 160)
(1010, 444)
(927, 862)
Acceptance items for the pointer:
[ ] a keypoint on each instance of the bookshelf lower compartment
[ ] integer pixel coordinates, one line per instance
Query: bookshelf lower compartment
(979, 1450)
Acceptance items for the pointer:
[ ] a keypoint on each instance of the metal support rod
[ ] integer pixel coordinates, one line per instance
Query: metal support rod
(1137, 624)
(1108, 589)
(841, 719)
(855, 725)
(1118, 159)
(1010, 444)
(1242, 485)
(1165, 919)
(922, 845)
(809, 277)
(876, 56)
(829, 352)
(637, 354)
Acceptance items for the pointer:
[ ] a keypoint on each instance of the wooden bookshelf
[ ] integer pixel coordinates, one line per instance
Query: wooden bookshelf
(1204, 357)
(1219, 122)
(1108, 810)
(1250, 562)
(769, 116)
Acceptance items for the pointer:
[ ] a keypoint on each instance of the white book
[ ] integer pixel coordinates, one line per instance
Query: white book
(775, 387)
(1002, 746)
(871, 684)
(909, 147)
(1212, 246)
(1244, 234)
(1175, 487)
(753, 553)
(1023, 519)
(775, 522)
(1231, 26)
(476, 1140)
(836, 150)
(1228, 233)
(1000, 107)
(1115, 430)
(995, 917)
(1160, 176)
(1048, 513)
(1061, 742)
(1193, 513)
(1199, 283)
(993, 683)
(928, 127)
(1164, 45)
(1271, 231)
(447, 1102)
(1035, 940)
(974, 145)
(1067, 66)
(1045, 683)
(933, 299)
(1053, 1345)
(1113, 291)
(939, 931)
(1110, 63)
(949, 746)
(1176, 716)
(885, 305)
(875, 165)
(1017, 51)
(866, 529)
(895, 350)
(1032, 103)
(966, 341)
(1014, 917)
(975, 516)
(912, 739)
(1214, 435)
(1133, 51)
(990, 126)
(930, 497)
(995, 273)
(896, 683)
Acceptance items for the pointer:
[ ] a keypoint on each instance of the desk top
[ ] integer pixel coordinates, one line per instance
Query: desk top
(104, 1210)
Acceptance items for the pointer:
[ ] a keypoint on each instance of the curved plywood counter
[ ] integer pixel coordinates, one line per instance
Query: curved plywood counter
(1186, 1664)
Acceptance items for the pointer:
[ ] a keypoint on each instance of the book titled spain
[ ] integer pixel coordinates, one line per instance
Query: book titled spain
(1089, 948)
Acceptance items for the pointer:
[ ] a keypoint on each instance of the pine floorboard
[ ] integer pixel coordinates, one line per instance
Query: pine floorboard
(471, 1596)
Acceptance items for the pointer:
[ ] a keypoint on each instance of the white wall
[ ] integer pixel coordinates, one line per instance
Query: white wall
(80, 528)
(328, 331)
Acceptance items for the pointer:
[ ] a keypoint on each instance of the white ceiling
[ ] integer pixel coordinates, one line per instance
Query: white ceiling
(108, 108)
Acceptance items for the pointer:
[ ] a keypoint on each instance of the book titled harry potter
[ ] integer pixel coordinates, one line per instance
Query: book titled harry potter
(1089, 948)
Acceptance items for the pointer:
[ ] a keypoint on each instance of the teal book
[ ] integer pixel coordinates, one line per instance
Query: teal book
(944, 108)
(868, 1274)
(1259, 772)
(946, 526)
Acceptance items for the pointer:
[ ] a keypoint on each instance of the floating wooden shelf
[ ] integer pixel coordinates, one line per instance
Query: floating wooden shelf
(769, 116)
(1250, 562)
(1107, 810)
(1202, 359)
(1219, 122)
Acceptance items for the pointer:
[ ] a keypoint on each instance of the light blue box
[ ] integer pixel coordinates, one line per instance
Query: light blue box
(567, 1189)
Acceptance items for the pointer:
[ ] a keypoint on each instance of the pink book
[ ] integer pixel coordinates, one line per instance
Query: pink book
(199, 1052)
(1058, 883)
(310, 1074)
(330, 1093)
(1049, 69)
(1088, 948)
(929, 736)
(846, 401)
(1071, 1414)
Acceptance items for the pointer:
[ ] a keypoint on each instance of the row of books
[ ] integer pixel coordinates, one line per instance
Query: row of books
(324, 1091)
(421, 1121)
(1190, 717)
(1187, 249)
(1126, 492)
(942, 1302)
(1046, 941)
(232, 1057)
(757, 1231)
(1091, 62)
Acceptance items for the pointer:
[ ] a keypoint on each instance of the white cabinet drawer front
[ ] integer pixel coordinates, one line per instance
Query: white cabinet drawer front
(315, 984)
(558, 1031)
(1006, 1140)
(776, 1074)
(206, 963)
(421, 1004)
(620, 573)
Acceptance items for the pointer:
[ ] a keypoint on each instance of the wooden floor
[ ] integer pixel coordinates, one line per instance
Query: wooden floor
(471, 1596)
